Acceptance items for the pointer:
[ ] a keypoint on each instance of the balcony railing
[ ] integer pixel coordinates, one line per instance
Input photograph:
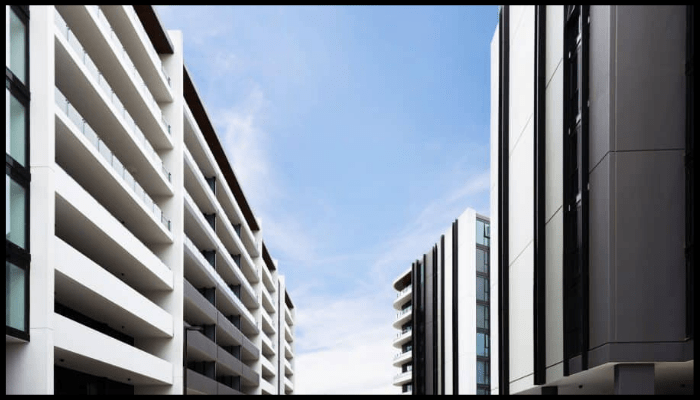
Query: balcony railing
(131, 68)
(141, 32)
(106, 89)
(403, 353)
(63, 104)
(404, 311)
(405, 331)
(406, 289)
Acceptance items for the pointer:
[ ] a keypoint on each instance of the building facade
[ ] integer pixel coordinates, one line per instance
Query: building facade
(134, 263)
(592, 143)
(443, 306)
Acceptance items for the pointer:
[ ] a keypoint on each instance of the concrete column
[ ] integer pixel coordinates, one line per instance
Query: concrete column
(634, 379)
(29, 366)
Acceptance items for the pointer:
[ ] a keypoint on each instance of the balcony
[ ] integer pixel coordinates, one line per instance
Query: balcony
(82, 82)
(99, 39)
(202, 234)
(266, 323)
(403, 316)
(403, 296)
(402, 357)
(288, 370)
(200, 191)
(288, 333)
(267, 278)
(288, 351)
(288, 385)
(129, 27)
(402, 337)
(268, 370)
(288, 315)
(86, 287)
(205, 161)
(87, 226)
(403, 378)
(82, 152)
(267, 302)
(266, 345)
(86, 350)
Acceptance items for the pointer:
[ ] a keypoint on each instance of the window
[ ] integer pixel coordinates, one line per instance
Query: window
(483, 235)
(15, 296)
(15, 120)
(482, 288)
(482, 261)
(482, 316)
(482, 372)
(18, 44)
(482, 344)
(17, 174)
(575, 150)
(15, 213)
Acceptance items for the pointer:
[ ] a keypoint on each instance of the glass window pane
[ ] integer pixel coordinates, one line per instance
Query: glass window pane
(482, 372)
(14, 296)
(482, 261)
(18, 34)
(482, 344)
(482, 288)
(15, 139)
(15, 212)
(482, 316)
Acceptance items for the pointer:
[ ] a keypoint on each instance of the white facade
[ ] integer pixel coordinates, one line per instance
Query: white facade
(137, 225)
(447, 349)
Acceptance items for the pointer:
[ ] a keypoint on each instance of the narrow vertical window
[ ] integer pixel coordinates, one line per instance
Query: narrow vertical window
(17, 175)
(482, 307)
(575, 185)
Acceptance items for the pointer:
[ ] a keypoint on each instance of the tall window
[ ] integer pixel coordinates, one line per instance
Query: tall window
(483, 340)
(17, 175)
(575, 181)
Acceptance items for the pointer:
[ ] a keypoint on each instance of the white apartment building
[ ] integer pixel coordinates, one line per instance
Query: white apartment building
(134, 263)
(443, 313)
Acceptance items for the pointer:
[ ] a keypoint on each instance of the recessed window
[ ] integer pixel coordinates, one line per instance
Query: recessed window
(482, 316)
(482, 344)
(18, 47)
(15, 278)
(482, 261)
(482, 372)
(16, 128)
(15, 212)
(482, 288)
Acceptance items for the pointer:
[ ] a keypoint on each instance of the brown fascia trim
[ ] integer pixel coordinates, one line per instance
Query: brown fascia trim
(288, 300)
(154, 29)
(267, 258)
(202, 118)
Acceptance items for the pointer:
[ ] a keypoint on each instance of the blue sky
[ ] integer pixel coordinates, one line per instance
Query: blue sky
(358, 135)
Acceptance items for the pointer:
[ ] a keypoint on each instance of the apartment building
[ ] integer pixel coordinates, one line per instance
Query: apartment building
(592, 199)
(443, 314)
(134, 263)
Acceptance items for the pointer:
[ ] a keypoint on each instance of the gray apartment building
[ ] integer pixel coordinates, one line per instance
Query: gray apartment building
(593, 200)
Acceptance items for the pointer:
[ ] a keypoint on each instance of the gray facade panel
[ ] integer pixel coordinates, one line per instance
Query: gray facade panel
(200, 383)
(195, 302)
(199, 347)
(649, 253)
(600, 135)
(650, 87)
(601, 250)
